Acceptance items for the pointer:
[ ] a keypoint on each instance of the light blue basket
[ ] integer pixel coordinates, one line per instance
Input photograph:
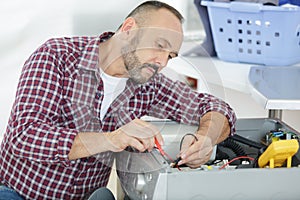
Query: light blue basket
(254, 33)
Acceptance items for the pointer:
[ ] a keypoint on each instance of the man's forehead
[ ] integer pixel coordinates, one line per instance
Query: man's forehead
(161, 31)
(171, 37)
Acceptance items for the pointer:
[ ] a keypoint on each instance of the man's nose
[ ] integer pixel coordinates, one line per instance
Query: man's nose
(162, 58)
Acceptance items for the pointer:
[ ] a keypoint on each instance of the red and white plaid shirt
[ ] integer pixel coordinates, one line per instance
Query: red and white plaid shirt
(59, 95)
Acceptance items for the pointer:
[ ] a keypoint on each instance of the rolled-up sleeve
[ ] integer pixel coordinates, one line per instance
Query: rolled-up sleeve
(178, 102)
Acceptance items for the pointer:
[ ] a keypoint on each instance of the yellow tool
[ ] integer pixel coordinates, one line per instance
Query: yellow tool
(279, 152)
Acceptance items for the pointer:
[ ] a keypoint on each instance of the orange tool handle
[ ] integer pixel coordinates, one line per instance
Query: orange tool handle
(159, 147)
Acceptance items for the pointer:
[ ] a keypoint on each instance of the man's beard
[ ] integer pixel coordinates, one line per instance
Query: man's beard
(134, 66)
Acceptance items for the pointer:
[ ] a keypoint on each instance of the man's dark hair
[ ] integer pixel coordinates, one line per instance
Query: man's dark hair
(141, 11)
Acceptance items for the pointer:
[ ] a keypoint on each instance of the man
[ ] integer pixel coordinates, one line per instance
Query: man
(80, 99)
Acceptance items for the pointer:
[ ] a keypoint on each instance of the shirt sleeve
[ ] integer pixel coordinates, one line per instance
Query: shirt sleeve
(178, 102)
(35, 127)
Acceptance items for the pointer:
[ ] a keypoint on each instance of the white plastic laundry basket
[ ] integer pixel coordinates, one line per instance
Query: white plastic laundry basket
(254, 33)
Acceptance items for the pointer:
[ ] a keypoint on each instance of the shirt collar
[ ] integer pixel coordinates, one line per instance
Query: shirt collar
(90, 54)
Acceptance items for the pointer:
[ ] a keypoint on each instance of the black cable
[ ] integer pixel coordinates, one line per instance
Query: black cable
(235, 147)
(248, 142)
(229, 149)
(184, 137)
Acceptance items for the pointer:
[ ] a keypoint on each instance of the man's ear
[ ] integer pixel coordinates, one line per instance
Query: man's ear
(128, 24)
(128, 28)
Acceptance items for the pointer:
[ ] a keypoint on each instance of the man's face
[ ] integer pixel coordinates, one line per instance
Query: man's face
(139, 72)
(149, 51)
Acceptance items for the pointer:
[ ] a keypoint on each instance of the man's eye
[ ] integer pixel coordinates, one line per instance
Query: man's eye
(160, 46)
(172, 55)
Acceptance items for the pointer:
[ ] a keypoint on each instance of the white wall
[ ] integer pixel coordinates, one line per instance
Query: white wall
(27, 24)
(24, 25)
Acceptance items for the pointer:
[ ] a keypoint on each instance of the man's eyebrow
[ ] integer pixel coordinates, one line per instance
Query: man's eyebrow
(168, 45)
(166, 41)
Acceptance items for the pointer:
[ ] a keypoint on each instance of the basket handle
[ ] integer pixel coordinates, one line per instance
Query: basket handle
(245, 7)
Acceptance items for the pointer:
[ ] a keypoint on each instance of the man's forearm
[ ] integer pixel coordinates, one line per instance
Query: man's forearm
(214, 125)
(137, 134)
(87, 144)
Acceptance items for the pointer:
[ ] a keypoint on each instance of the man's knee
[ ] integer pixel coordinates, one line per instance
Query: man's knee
(102, 194)
(8, 193)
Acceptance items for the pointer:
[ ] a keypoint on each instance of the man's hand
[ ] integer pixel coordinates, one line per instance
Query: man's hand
(213, 129)
(137, 134)
(195, 152)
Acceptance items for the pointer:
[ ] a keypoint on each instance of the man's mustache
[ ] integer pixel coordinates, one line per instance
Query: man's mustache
(153, 66)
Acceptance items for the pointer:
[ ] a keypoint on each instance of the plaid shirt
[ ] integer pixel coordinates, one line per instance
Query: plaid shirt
(59, 95)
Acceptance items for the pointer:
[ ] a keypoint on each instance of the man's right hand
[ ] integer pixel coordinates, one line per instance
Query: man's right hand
(137, 134)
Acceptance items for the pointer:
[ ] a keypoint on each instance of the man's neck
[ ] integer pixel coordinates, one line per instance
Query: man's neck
(110, 59)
